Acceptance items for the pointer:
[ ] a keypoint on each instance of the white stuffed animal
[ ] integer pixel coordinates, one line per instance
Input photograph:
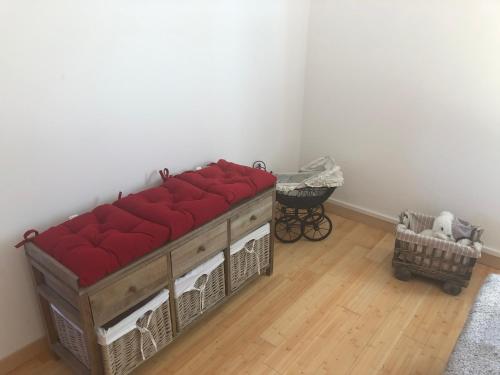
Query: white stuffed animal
(442, 227)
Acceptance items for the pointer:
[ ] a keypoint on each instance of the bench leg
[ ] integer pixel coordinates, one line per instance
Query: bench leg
(95, 359)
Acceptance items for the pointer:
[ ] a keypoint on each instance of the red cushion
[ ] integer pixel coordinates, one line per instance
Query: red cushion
(99, 242)
(232, 181)
(176, 204)
(262, 180)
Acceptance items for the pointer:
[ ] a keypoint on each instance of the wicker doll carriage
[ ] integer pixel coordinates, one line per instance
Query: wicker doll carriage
(446, 261)
(300, 198)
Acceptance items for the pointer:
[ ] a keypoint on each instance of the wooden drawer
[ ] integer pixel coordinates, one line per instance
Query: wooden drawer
(200, 248)
(251, 218)
(123, 294)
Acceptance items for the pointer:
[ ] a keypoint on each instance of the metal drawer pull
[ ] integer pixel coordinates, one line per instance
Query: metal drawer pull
(201, 249)
(253, 218)
(132, 289)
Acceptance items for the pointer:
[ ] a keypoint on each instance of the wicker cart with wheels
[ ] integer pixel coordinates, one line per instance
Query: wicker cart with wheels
(447, 261)
(300, 196)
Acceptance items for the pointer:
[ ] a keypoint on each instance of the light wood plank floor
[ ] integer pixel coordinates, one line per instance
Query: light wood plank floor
(331, 307)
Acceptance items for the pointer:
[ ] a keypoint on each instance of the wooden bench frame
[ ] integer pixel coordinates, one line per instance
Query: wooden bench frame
(57, 285)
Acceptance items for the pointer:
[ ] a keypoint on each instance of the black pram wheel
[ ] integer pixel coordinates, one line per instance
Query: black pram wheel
(288, 229)
(281, 211)
(309, 215)
(317, 227)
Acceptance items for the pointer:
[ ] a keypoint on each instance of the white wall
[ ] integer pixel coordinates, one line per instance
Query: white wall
(406, 96)
(95, 96)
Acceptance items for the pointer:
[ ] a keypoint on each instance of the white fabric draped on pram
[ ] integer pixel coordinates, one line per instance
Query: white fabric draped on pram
(322, 172)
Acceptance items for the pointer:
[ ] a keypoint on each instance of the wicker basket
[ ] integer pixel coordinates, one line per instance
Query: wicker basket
(70, 336)
(132, 340)
(199, 290)
(431, 257)
(249, 256)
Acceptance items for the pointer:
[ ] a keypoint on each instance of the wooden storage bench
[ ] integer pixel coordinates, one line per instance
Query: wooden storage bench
(84, 310)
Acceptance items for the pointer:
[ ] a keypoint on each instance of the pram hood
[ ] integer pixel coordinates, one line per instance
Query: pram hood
(322, 172)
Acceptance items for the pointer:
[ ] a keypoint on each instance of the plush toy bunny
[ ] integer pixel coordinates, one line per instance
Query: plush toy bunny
(442, 227)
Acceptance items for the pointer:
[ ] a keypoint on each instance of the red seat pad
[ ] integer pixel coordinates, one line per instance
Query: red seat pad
(262, 180)
(99, 242)
(232, 181)
(176, 204)
(109, 237)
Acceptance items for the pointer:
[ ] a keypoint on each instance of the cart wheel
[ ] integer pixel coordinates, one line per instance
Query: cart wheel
(317, 227)
(288, 229)
(402, 273)
(282, 210)
(279, 210)
(452, 288)
(309, 215)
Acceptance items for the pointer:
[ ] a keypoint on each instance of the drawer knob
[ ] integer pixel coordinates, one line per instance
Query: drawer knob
(253, 218)
(201, 249)
(132, 289)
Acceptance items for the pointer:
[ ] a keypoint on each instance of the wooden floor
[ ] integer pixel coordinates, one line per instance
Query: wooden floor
(331, 307)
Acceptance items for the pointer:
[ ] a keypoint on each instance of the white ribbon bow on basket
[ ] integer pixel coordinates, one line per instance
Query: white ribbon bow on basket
(201, 290)
(145, 330)
(249, 252)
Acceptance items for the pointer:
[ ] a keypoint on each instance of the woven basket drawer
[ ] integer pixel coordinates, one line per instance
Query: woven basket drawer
(132, 340)
(249, 256)
(70, 336)
(199, 290)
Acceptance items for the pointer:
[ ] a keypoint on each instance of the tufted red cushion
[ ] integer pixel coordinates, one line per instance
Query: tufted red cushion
(99, 242)
(176, 204)
(261, 180)
(232, 181)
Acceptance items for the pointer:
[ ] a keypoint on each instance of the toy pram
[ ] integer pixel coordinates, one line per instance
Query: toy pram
(300, 199)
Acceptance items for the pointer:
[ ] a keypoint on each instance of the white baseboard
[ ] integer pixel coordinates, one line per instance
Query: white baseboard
(365, 211)
(392, 219)
(491, 251)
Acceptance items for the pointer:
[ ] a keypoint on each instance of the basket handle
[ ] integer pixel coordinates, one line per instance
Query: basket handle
(201, 290)
(145, 330)
(249, 252)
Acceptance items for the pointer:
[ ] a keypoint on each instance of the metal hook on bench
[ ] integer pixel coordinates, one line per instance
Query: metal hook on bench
(164, 174)
(259, 164)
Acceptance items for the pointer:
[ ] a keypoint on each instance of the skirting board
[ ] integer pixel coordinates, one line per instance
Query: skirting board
(490, 257)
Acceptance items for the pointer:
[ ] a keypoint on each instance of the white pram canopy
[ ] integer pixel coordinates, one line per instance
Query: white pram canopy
(322, 172)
